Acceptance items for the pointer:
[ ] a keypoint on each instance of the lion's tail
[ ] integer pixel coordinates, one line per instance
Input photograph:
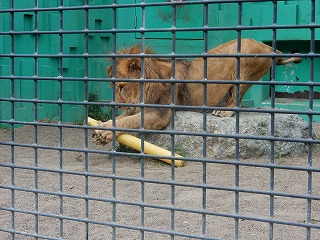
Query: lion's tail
(281, 61)
(290, 60)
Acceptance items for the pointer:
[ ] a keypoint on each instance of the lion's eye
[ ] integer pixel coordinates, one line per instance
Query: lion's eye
(121, 87)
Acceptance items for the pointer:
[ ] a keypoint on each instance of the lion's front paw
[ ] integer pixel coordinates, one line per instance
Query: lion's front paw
(102, 137)
(97, 140)
(223, 113)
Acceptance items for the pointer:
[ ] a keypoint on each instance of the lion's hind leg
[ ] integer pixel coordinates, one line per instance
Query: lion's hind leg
(231, 100)
(228, 101)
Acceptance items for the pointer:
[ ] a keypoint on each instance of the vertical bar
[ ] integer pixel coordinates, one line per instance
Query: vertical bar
(12, 124)
(311, 92)
(114, 183)
(36, 41)
(272, 130)
(237, 146)
(204, 119)
(142, 135)
(172, 136)
(86, 73)
(60, 105)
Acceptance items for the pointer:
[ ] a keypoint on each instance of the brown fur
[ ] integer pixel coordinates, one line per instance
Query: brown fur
(251, 69)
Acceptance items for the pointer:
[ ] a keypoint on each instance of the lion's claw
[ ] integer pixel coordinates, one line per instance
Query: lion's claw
(102, 137)
(97, 140)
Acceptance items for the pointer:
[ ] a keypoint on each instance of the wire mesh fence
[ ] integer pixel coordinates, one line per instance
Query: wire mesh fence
(251, 158)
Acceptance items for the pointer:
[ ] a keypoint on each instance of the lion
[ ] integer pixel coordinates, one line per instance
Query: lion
(185, 94)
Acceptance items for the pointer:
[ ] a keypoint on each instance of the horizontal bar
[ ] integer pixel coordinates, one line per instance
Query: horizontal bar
(241, 217)
(110, 224)
(33, 235)
(146, 131)
(143, 55)
(182, 184)
(86, 7)
(157, 30)
(150, 80)
(144, 105)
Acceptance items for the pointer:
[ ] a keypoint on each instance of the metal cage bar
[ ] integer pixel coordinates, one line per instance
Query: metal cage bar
(115, 222)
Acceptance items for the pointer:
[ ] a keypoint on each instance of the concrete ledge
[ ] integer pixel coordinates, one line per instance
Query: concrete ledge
(251, 125)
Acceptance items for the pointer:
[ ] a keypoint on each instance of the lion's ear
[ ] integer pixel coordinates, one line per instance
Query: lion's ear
(134, 64)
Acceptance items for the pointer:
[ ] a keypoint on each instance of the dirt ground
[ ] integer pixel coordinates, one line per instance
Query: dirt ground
(37, 194)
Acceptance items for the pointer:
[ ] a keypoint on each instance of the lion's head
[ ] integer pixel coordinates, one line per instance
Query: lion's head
(129, 82)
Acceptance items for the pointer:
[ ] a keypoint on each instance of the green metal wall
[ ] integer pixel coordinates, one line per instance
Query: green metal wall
(50, 66)
(224, 14)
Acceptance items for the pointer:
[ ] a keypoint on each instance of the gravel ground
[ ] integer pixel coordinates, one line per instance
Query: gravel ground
(75, 210)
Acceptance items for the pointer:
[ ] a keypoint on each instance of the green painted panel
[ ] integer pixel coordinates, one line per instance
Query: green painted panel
(296, 105)
(99, 19)
(102, 89)
(261, 14)
(256, 94)
(163, 16)
(5, 92)
(47, 90)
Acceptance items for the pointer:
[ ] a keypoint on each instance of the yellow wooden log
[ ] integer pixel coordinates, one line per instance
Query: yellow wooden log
(135, 143)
